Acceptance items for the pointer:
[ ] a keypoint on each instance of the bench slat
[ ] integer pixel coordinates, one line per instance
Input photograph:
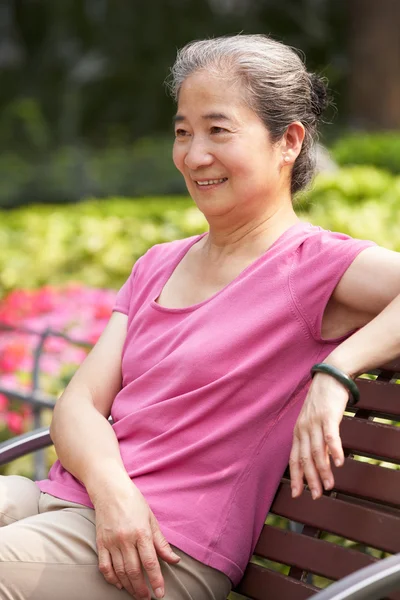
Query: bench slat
(375, 483)
(371, 439)
(312, 554)
(379, 396)
(260, 583)
(345, 519)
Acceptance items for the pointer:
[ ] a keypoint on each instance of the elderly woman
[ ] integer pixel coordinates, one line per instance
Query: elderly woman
(205, 363)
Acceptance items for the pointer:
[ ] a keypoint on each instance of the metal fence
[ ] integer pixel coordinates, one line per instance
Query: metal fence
(35, 397)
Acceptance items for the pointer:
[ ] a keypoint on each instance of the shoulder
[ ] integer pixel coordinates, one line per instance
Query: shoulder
(165, 252)
(324, 253)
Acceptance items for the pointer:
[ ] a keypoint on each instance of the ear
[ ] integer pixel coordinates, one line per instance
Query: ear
(292, 141)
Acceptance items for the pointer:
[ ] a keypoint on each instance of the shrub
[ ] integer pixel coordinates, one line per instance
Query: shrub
(377, 149)
(97, 242)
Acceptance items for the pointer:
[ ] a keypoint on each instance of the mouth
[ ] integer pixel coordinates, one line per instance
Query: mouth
(206, 184)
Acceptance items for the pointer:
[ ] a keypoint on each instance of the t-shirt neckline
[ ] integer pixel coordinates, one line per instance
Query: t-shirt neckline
(185, 250)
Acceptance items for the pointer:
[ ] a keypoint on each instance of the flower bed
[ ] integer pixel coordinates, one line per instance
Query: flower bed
(77, 311)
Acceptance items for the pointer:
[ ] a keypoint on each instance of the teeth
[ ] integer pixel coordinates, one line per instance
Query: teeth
(211, 181)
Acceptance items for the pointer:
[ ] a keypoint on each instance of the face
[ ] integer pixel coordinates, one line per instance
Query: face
(223, 149)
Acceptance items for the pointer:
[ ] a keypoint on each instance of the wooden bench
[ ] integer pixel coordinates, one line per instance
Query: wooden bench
(302, 547)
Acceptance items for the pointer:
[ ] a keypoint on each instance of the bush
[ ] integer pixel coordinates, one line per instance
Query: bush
(381, 150)
(97, 242)
(92, 242)
(73, 173)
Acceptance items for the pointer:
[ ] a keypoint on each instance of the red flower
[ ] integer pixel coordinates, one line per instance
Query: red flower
(102, 311)
(13, 354)
(15, 422)
(4, 402)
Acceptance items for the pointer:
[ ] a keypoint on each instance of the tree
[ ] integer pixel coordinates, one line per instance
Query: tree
(374, 54)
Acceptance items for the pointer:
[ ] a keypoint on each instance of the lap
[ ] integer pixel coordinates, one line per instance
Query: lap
(48, 549)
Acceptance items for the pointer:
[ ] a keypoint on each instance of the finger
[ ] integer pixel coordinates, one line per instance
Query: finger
(310, 472)
(334, 443)
(161, 545)
(319, 453)
(106, 568)
(149, 560)
(119, 568)
(296, 470)
(134, 570)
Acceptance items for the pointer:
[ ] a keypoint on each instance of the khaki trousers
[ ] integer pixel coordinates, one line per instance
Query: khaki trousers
(48, 552)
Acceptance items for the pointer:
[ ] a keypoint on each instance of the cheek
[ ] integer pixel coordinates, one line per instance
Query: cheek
(178, 157)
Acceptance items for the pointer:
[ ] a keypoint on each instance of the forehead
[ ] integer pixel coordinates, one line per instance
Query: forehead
(210, 93)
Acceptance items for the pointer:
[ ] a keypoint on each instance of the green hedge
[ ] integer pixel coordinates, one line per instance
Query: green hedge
(72, 173)
(97, 242)
(381, 150)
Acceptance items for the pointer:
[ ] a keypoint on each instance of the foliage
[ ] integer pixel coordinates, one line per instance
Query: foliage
(377, 149)
(94, 70)
(71, 173)
(93, 242)
(97, 242)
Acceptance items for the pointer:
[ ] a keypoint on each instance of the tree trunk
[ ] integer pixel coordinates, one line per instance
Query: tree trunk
(374, 76)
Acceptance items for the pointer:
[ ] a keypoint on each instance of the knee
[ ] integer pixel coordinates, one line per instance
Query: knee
(19, 498)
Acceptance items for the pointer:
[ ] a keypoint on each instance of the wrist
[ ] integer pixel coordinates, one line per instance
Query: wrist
(341, 377)
(110, 481)
(341, 362)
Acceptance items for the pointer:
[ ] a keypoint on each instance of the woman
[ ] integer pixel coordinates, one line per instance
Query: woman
(205, 363)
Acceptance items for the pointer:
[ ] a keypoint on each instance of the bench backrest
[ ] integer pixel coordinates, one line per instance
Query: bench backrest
(305, 544)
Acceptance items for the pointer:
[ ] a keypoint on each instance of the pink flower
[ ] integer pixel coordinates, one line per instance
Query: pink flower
(4, 402)
(12, 356)
(15, 422)
(102, 311)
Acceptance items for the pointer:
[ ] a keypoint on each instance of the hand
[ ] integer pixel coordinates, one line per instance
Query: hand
(316, 435)
(129, 538)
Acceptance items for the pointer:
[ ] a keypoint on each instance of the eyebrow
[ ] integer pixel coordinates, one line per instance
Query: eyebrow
(208, 117)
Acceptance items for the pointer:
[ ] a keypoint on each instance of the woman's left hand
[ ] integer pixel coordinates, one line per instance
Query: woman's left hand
(316, 436)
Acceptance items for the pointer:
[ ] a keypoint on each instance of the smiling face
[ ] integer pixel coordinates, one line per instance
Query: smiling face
(223, 149)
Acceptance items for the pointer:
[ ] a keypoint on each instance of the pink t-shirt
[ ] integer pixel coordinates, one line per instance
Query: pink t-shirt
(211, 392)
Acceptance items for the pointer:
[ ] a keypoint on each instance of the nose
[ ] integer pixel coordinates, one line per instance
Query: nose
(198, 155)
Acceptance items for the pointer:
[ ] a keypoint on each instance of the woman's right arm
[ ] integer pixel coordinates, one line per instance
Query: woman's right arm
(87, 447)
(84, 439)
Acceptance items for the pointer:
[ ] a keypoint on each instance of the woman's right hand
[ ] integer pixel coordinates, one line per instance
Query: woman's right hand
(129, 539)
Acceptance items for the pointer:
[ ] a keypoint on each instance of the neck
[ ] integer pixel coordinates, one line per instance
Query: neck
(263, 230)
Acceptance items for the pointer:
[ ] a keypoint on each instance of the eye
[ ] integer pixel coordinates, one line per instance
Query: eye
(216, 129)
(179, 133)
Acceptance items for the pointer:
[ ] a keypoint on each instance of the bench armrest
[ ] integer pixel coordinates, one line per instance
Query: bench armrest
(24, 444)
(371, 583)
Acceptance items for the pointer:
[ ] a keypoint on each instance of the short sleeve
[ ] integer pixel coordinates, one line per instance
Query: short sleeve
(319, 264)
(124, 296)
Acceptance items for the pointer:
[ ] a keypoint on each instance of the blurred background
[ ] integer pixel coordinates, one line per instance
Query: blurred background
(87, 182)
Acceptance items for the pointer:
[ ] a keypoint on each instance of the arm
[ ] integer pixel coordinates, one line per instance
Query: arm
(370, 286)
(88, 448)
(84, 439)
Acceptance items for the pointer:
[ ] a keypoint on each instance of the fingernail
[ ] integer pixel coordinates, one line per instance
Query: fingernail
(175, 555)
(294, 492)
(314, 494)
(159, 593)
(338, 462)
(327, 484)
(119, 586)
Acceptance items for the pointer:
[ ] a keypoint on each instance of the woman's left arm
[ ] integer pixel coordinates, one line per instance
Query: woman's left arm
(370, 286)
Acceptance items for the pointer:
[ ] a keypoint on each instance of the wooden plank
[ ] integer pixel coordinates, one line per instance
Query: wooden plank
(259, 583)
(368, 526)
(375, 483)
(371, 439)
(379, 397)
(309, 553)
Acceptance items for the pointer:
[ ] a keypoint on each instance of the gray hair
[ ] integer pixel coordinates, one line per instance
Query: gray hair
(278, 87)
